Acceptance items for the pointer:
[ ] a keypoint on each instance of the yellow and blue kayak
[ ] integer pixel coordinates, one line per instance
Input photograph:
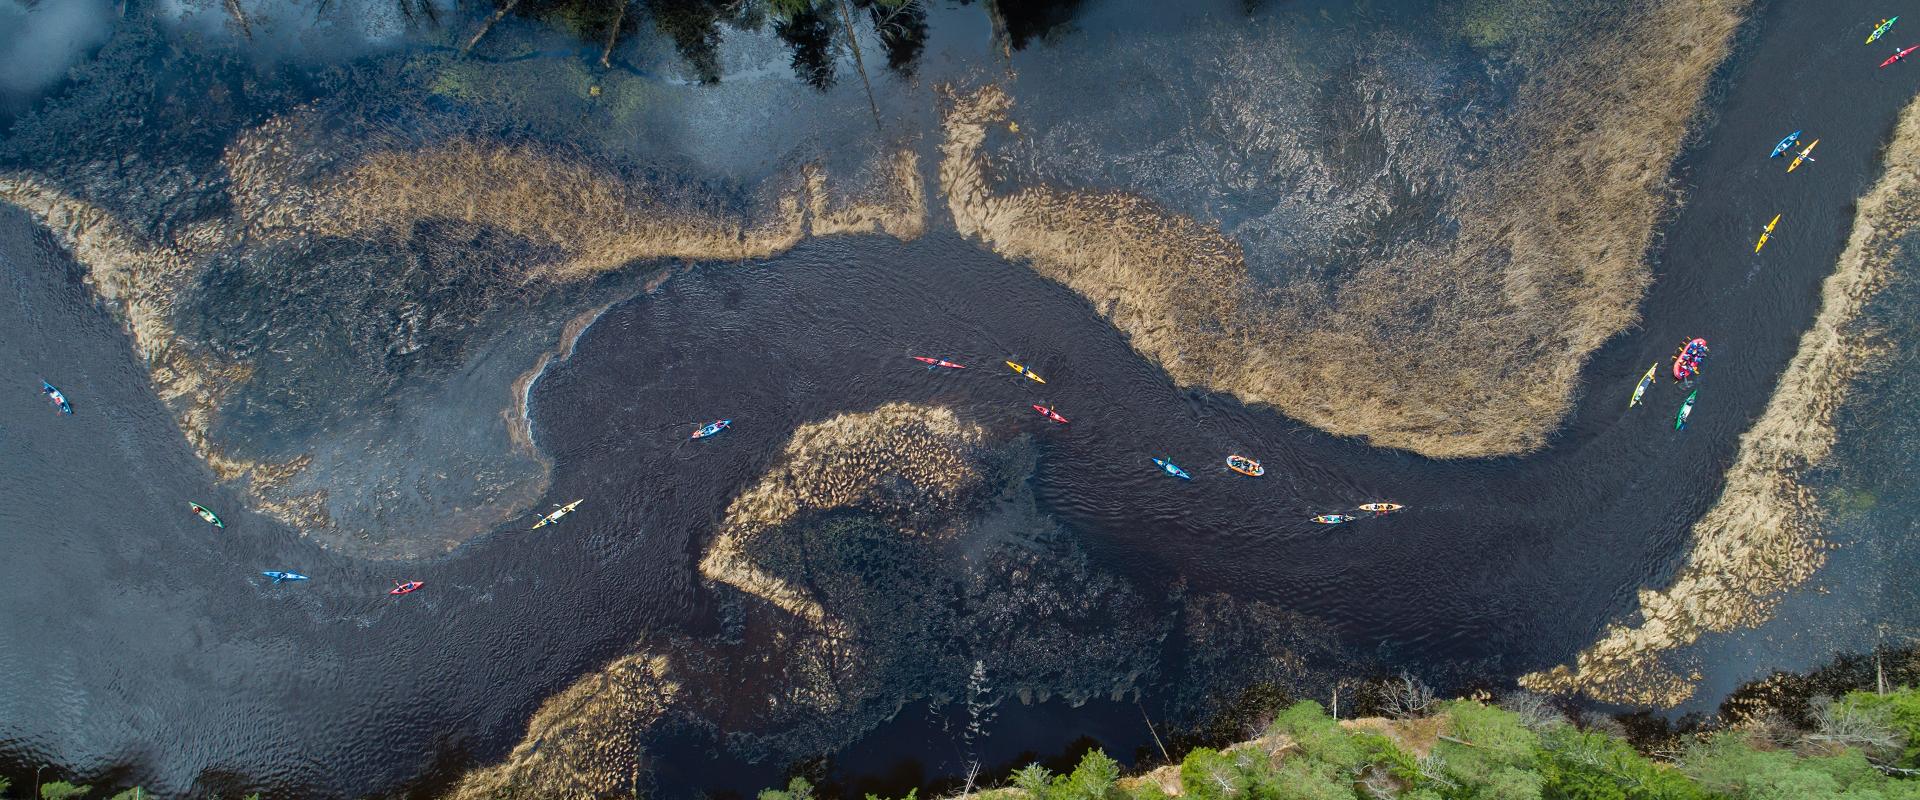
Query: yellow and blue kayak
(1022, 370)
(1881, 29)
(1645, 381)
(1805, 155)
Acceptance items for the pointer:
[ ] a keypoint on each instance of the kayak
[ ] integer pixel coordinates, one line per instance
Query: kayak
(1899, 55)
(1686, 410)
(1784, 144)
(1170, 469)
(1021, 370)
(558, 512)
(284, 576)
(1686, 363)
(207, 514)
(1881, 29)
(1245, 466)
(1049, 413)
(1766, 234)
(406, 588)
(1381, 508)
(1645, 381)
(711, 428)
(59, 400)
(1333, 519)
(1805, 155)
(935, 362)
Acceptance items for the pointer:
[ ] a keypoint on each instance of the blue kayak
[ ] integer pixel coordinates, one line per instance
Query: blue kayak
(1784, 144)
(712, 428)
(278, 576)
(59, 400)
(1170, 469)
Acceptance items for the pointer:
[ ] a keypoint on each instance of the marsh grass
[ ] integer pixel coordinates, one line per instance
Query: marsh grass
(1466, 347)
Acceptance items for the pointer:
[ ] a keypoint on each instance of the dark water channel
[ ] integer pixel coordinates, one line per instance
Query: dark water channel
(138, 637)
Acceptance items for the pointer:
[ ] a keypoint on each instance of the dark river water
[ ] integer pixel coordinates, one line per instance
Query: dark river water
(134, 638)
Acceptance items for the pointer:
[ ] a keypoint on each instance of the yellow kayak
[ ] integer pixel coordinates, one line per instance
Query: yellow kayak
(1027, 372)
(1804, 155)
(1766, 234)
(1645, 381)
(558, 512)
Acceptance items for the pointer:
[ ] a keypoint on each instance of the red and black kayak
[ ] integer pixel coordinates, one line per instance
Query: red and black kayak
(406, 588)
(1900, 55)
(937, 362)
(1049, 413)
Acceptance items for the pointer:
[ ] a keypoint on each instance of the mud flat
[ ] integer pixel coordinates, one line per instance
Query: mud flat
(1759, 539)
(1548, 262)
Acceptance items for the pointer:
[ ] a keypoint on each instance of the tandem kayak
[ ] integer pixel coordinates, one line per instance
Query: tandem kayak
(1899, 55)
(1784, 144)
(406, 588)
(278, 576)
(1333, 519)
(1019, 369)
(207, 514)
(1766, 234)
(1805, 155)
(1381, 508)
(1645, 381)
(558, 512)
(1686, 410)
(711, 428)
(1245, 466)
(937, 362)
(1169, 468)
(1881, 29)
(59, 400)
(1049, 413)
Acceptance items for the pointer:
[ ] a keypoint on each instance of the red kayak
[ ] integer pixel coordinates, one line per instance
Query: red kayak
(1049, 413)
(406, 588)
(935, 362)
(1900, 55)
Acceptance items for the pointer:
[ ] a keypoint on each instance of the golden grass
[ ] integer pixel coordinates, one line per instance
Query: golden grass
(1481, 338)
(1759, 540)
(916, 464)
(585, 741)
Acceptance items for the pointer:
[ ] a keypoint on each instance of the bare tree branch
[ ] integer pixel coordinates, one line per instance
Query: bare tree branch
(502, 12)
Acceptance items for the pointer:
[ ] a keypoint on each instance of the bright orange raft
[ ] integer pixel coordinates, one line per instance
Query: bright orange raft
(1245, 466)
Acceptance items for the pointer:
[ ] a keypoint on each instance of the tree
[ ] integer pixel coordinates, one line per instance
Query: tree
(61, 790)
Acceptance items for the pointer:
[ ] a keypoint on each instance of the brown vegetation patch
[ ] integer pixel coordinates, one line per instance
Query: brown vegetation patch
(1759, 539)
(914, 464)
(1548, 262)
(585, 741)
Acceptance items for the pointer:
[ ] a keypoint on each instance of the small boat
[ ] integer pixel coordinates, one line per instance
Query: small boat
(1686, 363)
(1049, 413)
(59, 400)
(711, 428)
(278, 576)
(1022, 370)
(1333, 519)
(1245, 466)
(1645, 381)
(936, 362)
(207, 514)
(1381, 508)
(1881, 29)
(1686, 410)
(1784, 144)
(1766, 234)
(554, 516)
(406, 588)
(1805, 155)
(1169, 468)
(1899, 55)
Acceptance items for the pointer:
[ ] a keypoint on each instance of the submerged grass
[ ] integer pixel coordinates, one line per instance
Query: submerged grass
(1462, 348)
(1759, 538)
